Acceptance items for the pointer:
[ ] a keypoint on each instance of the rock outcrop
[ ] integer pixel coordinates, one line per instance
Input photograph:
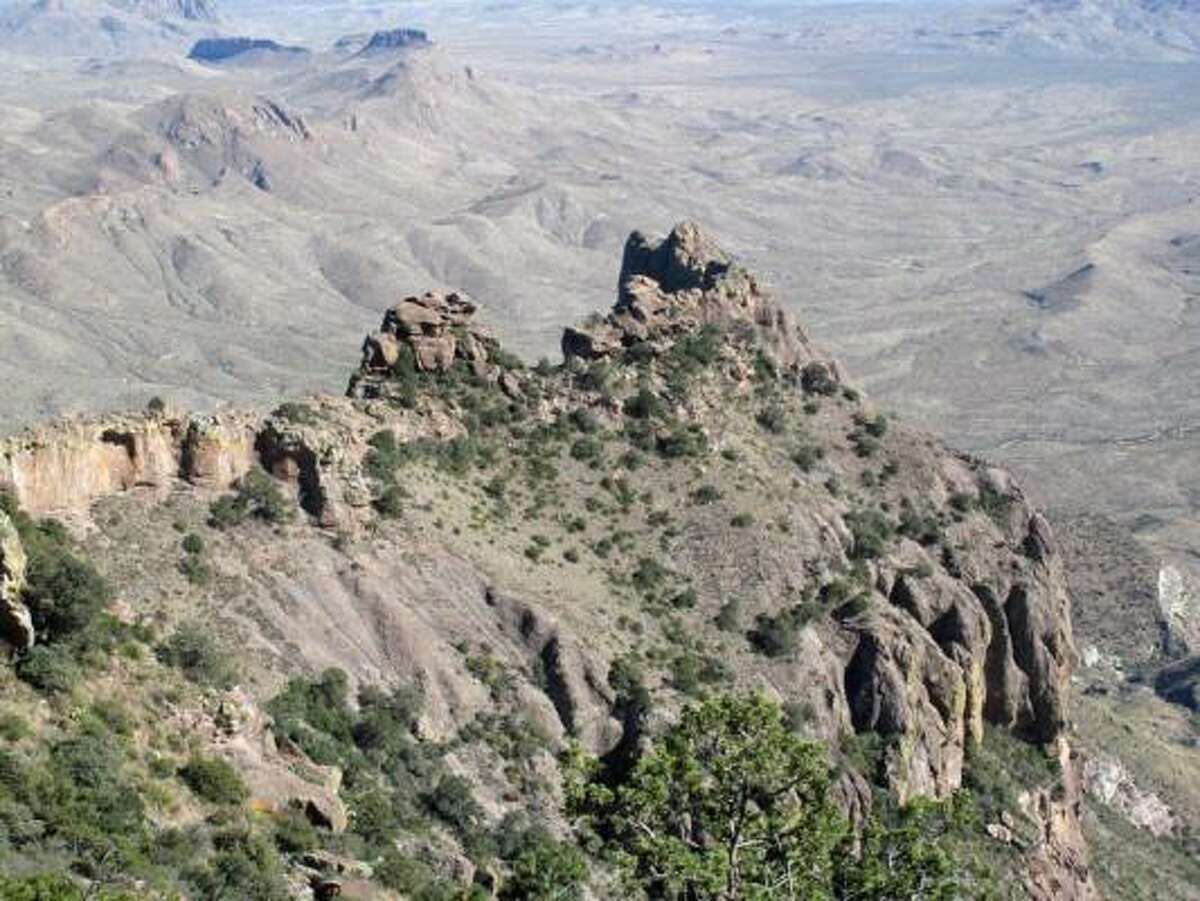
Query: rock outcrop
(1179, 609)
(68, 466)
(426, 334)
(1057, 864)
(16, 625)
(1109, 782)
(675, 286)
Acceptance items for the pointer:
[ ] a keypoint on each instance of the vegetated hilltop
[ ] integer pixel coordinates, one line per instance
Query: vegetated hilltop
(474, 624)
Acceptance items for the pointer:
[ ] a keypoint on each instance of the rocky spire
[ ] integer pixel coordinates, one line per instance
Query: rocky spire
(675, 285)
(430, 333)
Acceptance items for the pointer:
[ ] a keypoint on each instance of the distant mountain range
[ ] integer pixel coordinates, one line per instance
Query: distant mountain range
(1163, 30)
(102, 27)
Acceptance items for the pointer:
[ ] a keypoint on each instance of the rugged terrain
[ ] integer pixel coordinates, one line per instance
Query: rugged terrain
(694, 501)
(997, 241)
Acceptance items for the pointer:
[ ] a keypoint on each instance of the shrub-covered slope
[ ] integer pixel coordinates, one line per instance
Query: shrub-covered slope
(361, 640)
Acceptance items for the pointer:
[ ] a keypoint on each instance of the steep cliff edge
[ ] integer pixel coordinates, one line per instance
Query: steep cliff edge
(696, 491)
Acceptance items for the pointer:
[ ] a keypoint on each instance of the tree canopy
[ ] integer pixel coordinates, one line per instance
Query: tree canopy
(730, 804)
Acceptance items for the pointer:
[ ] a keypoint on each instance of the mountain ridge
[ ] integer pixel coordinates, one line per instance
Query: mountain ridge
(892, 589)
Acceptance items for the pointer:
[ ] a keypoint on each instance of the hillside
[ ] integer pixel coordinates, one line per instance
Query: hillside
(344, 647)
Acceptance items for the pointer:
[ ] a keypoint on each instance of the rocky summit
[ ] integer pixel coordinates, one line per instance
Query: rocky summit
(430, 635)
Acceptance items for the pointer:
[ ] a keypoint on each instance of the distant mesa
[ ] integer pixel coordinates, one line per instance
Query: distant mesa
(215, 50)
(396, 39)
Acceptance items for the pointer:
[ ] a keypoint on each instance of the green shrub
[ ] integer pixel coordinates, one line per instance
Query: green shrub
(453, 802)
(765, 369)
(742, 520)
(815, 378)
(773, 419)
(195, 569)
(587, 449)
(297, 413)
(641, 435)
(799, 714)
(192, 544)
(597, 377)
(43, 887)
(872, 531)
(874, 426)
(244, 865)
(214, 780)
(506, 360)
(683, 441)
(113, 715)
(390, 504)
(63, 591)
(226, 512)
(649, 575)
(807, 456)
(193, 650)
(864, 445)
(690, 672)
(729, 617)
(777, 634)
(403, 874)
(705, 494)
(295, 834)
(546, 870)
(14, 727)
(49, 668)
(307, 710)
(645, 404)
(383, 458)
(921, 528)
(995, 504)
(258, 496)
(697, 350)
(633, 699)
(584, 421)
(684, 600)
(856, 606)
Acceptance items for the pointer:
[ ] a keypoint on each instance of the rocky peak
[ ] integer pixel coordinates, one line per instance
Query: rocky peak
(426, 334)
(396, 39)
(676, 285)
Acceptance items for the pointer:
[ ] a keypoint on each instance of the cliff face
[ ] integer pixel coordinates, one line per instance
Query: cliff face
(16, 625)
(697, 477)
(68, 466)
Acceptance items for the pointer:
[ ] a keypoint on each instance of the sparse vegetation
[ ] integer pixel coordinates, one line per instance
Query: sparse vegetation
(257, 497)
(195, 652)
(873, 533)
(676, 821)
(214, 780)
